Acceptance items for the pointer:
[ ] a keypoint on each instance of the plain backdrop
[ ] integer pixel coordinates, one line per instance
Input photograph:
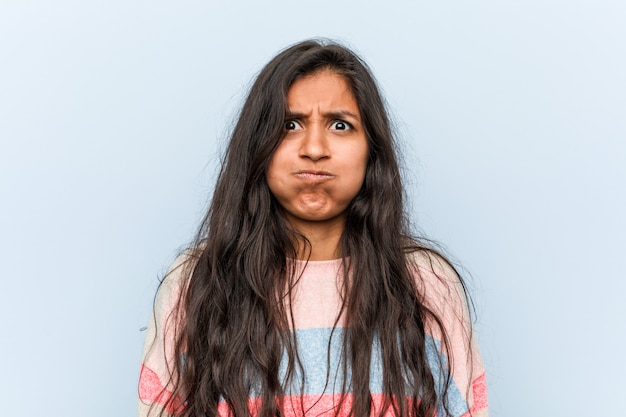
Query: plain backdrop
(512, 120)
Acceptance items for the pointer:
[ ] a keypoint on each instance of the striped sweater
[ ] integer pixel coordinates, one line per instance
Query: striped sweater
(315, 306)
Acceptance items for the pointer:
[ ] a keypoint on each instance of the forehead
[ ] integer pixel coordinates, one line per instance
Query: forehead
(321, 88)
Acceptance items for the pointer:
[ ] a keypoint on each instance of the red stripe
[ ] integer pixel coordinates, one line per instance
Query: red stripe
(479, 392)
(314, 405)
(151, 389)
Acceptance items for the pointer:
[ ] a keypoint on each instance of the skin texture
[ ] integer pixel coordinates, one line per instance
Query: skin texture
(320, 164)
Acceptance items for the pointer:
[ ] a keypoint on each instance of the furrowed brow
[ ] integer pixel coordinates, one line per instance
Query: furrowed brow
(340, 114)
(294, 115)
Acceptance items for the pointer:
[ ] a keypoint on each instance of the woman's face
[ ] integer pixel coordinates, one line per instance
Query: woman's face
(319, 166)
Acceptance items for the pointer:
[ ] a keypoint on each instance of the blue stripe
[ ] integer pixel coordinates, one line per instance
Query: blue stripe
(321, 358)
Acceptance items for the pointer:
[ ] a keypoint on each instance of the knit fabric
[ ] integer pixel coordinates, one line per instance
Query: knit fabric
(316, 306)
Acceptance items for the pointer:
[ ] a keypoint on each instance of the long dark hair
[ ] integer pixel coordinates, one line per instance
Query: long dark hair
(233, 316)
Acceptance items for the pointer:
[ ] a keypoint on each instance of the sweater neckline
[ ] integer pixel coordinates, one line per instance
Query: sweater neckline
(313, 263)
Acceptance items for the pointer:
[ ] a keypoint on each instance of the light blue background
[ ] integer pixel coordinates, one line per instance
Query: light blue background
(512, 115)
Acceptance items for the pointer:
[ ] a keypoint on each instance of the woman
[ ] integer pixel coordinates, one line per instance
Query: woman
(304, 293)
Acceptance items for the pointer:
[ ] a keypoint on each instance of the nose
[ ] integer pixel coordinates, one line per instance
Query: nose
(314, 144)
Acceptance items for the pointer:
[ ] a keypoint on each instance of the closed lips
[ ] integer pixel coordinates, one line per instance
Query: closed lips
(314, 175)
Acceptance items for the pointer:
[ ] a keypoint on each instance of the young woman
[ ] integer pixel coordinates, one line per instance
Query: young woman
(304, 292)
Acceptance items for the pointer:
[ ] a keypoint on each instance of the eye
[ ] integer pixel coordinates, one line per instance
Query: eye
(292, 125)
(340, 125)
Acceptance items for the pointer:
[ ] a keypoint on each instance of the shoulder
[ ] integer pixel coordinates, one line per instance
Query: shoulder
(179, 273)
(434, 275)
(173, 285)
(430, 261)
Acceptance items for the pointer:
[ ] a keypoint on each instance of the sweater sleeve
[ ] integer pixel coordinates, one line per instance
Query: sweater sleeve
(442, 292)
(157, 370)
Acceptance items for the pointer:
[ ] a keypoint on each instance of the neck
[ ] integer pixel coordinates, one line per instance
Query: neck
(323, 237)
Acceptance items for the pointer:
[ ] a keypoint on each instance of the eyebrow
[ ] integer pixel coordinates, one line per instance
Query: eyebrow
(339, 114)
